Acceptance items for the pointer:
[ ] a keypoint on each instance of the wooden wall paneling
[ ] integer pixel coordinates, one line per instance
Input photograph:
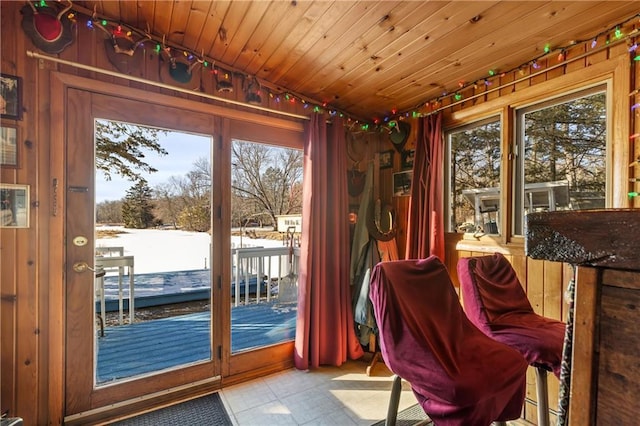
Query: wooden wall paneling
(531, 398)
(537, 75)
(454, 265)
(88, 46)
(581, 403)
(26, 303)
(575, 51)
(401, 206)
(556, 71)
(505, 79)
(553, 290)
(9, 320)
(535, 284)
(523, 81)
(519, 264)
(8, 241)
(151, 67)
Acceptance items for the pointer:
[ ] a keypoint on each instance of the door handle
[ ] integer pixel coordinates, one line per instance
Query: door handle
(82, 266)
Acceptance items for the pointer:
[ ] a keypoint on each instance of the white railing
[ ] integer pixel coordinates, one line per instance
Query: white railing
(273, 270)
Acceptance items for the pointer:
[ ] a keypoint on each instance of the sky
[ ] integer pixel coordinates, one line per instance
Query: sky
(184, 149)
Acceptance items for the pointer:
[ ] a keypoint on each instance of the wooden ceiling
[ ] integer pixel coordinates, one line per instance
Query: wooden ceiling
(367, 58)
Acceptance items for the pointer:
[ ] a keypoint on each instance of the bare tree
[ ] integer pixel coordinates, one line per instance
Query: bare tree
(265, 179)
(184, 201)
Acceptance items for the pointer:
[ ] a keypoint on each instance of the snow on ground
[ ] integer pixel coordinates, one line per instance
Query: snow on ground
(166, 250)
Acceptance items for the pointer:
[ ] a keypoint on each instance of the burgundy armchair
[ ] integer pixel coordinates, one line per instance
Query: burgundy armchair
(458, 375)
(495, 301)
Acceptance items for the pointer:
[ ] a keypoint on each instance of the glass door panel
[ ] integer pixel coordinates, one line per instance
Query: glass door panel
(266, 223)
(152, 250)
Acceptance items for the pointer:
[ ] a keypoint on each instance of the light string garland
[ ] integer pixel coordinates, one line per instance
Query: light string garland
(614, 33)
(161, 45)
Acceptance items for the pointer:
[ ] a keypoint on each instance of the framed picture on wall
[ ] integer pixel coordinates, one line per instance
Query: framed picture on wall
(402, 183)
(386, 159)
(10, 97)
(407, 159)
(14, 206)
(8, 146)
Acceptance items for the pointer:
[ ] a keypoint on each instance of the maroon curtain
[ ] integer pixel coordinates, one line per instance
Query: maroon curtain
(425, 224)
(325, 333)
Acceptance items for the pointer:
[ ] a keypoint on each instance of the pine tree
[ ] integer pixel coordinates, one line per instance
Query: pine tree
(137, 209)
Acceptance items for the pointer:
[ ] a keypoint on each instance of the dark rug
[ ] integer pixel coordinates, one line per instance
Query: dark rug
(410, 416)
(207, 410)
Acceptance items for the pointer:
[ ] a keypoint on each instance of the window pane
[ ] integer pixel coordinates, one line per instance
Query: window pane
(475, 178)
(152, 250)
(266, 220)
(564, 158)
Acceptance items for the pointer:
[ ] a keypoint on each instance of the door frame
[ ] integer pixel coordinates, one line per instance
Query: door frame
(230, 124)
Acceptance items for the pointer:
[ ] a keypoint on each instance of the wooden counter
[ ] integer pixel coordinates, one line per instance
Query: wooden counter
(605, 358)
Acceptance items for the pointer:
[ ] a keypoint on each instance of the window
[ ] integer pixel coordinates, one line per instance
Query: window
(561, 146)
(474, 177)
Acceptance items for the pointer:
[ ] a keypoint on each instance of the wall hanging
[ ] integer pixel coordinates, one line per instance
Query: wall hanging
(14, 206)
(8, 146)
(10, 97)
(50, 29)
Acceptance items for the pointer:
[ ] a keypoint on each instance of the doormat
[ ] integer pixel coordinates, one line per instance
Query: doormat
(207, 410)
(411, 416)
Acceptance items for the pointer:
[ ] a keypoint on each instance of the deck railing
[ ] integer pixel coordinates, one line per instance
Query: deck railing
(264, 272)
(258, 275)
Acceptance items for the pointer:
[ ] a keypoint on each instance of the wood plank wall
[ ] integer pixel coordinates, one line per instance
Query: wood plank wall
(545, 282)
(26, 273)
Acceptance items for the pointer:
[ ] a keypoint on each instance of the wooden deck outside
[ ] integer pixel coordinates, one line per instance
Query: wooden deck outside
(154, 345)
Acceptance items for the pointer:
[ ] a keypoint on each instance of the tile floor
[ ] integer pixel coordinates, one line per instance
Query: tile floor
(332, 396)
(326, 396)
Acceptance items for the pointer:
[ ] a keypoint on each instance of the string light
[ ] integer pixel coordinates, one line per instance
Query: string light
(616, 31)
(118, 29)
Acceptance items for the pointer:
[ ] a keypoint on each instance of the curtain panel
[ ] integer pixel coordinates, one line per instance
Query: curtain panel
(425, 225)
(325, 332)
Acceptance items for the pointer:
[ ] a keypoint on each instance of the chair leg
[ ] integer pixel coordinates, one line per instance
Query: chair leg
(543, 397)
(499, 423)
(394, 401)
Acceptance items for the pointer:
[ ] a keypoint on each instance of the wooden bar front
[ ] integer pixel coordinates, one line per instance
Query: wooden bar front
(605, 368)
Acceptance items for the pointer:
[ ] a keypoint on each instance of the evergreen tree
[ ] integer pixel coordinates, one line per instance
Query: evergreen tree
(121, 148)
(137, 209)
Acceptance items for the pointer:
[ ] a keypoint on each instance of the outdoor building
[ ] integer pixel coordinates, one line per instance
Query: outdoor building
(194, 196)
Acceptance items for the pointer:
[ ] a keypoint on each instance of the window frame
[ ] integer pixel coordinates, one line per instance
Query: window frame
(614, 75)
(448, 199)
(519, 172)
